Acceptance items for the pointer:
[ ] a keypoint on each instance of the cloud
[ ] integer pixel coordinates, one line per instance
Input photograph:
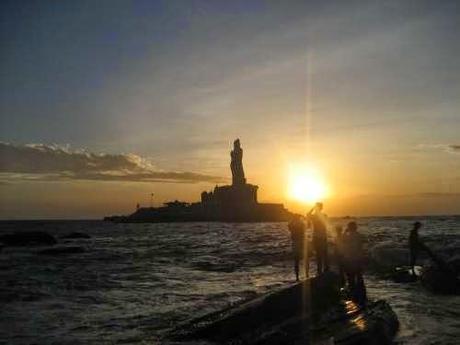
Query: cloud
(438, 195)
(55, 162)
(449, 148)
(453, 148)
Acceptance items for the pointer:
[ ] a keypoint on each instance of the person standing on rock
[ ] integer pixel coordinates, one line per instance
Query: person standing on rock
(318, 221)
(297, 229)
(339, 253)
(414, 246)
(353, 258)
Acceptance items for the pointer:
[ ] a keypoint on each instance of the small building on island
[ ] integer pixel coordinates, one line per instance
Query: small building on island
(231, 203)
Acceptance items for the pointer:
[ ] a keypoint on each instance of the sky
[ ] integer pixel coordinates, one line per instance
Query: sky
(104, 102)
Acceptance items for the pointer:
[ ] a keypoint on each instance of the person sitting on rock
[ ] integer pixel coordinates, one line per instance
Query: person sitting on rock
(353, 257)
(318, 220)
(297, 230)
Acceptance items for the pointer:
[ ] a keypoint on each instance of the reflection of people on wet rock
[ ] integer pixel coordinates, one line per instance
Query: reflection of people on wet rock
(318, 221)
(353, 258)
(297, 230)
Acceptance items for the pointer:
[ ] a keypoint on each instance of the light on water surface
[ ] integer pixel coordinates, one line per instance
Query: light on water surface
(136, 281)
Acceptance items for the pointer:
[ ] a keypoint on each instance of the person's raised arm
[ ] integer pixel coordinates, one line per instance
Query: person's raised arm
(311, 212)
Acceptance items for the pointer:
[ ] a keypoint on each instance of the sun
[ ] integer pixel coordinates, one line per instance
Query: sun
(306, 185)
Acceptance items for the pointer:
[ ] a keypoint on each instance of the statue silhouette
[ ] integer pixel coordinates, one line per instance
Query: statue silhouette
(237, 164)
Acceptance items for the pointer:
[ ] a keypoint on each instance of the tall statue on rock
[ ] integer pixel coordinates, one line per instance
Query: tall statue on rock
(237, 164)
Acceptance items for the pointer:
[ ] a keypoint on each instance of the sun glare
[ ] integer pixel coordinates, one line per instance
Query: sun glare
(306, 185)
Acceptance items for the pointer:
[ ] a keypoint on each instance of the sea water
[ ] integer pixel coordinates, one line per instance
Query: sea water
(136, 281)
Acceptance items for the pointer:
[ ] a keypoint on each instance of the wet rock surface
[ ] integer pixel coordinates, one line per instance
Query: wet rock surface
(403, 275)
(311, 312)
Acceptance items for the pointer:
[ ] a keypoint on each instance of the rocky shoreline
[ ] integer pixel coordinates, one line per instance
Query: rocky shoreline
(313, 311)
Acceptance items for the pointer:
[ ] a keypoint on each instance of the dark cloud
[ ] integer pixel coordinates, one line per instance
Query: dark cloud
(54, 162)
(454, 148)
(449, 148)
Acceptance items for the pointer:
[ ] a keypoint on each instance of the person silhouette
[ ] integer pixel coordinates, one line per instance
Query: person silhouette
(297, 229)
(414, 246)
(353, 256)
(318, 220)
(339, 253)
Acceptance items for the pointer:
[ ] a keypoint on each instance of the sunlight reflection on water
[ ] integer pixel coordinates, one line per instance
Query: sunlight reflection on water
(136, 280)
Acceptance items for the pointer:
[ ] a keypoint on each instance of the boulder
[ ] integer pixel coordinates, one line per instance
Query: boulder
(28, 238)
(62, 250)
(403, 275)
(76, 235)
(440, 281)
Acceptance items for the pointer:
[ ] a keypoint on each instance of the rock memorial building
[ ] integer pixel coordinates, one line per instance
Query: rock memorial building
(231, 203)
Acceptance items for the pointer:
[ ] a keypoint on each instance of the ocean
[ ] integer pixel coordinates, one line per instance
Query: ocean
(133, 282)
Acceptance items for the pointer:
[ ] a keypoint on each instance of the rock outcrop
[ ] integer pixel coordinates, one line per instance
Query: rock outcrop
(27, 238)
(310, 312)
(228, 203)
(440, 281)
(76, 235)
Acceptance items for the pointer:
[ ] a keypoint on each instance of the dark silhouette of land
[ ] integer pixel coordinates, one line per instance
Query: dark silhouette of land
(231, 203)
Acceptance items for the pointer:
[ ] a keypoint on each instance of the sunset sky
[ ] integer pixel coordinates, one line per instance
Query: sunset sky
(105, 102)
